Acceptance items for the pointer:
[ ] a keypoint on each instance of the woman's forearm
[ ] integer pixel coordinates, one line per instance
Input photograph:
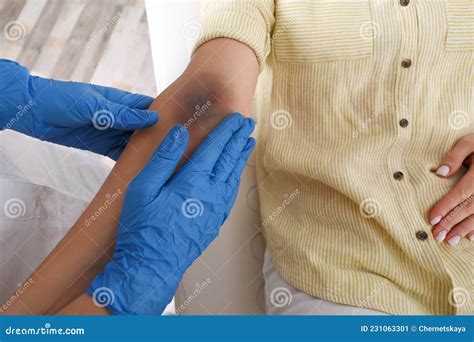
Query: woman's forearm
(220, 79)
(83, 305)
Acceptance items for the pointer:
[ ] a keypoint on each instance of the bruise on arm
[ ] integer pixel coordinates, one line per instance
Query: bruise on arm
(219, 80)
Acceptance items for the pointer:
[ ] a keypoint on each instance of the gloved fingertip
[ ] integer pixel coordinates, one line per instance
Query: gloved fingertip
(250, 122)
(175, 142)
(145, 100)
(142, 118)
(250, 146)
(180, 131)
(134, 119)
(248, 149)
(246, 129)
(244, 156)
(153, 117)
(235, 119)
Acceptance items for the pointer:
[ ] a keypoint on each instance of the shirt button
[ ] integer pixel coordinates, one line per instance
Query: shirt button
(404, 123)
(398, 175)
(404, 2)
(406, 63)
(421, 235)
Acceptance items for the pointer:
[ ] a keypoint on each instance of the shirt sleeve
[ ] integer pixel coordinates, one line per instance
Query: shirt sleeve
(247, 21)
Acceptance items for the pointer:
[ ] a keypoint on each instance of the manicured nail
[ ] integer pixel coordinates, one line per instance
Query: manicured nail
(435, 220)
(443, 170)
(441, 235)
(471, 237)
(454, 240)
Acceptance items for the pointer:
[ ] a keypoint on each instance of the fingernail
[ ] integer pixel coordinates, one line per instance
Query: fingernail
(443, 170)
(441, 235)
(454, 240)
(471, 237)
(435, 220)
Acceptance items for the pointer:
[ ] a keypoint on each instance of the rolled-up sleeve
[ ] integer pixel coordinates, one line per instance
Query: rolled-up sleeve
(247, 21)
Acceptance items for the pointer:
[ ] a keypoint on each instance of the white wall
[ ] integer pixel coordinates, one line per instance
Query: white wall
(174, 27)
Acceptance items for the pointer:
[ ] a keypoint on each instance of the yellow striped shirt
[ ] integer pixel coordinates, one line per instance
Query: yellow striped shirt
(358, 102)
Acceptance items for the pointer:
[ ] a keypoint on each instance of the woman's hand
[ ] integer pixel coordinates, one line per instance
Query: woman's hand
(85, 116)
(166, 223)
(453, 216)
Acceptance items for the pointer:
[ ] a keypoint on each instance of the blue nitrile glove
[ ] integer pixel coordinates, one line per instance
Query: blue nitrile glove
(167, 223)
(85, 116)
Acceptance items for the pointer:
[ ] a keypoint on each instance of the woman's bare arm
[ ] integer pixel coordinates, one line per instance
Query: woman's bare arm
(83, 305)
(220, 79)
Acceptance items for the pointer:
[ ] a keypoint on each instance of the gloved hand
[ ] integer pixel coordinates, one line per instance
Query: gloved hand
(167, 223)
(84, 116)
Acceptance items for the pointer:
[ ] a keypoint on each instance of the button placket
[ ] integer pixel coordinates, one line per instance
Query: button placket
(408, 50)
(404, 102)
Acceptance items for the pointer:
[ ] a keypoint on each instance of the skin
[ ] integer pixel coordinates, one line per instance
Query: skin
(453, 216)
(222, 71)
(82, 306)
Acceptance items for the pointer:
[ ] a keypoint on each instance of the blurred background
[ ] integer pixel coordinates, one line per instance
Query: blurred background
(104, 42)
